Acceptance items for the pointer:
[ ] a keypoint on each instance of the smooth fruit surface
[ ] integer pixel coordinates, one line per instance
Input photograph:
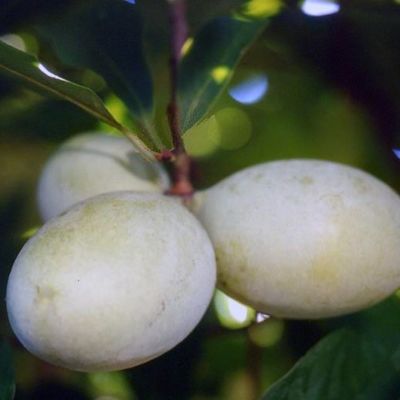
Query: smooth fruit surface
(94, 163)
(304, 238)
(114, 282)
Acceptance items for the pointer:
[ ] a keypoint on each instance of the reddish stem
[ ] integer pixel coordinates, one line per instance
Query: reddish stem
(182, 185)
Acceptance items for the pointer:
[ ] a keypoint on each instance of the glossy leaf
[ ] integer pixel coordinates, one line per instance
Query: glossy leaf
(344, 365)
(7, 385)
(106, 36)
(210, 61)
(26, 68)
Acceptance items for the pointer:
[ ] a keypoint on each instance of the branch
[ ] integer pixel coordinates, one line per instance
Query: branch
(182, 185)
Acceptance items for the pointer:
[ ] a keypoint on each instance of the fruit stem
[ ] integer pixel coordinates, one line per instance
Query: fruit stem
(182, 164)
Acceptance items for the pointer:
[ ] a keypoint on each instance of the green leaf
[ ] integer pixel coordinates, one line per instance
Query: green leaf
(7, 385)
(358, 360)
(396, 359)
(26, 68)
(209, 63)
(344, 365)
(106, 36)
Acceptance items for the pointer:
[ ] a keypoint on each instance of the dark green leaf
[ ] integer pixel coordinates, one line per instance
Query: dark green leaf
(396, 359)
(344, 365)
(15, 13)
(106, 36)
(25, 67)
(209, 64)
(7, 385)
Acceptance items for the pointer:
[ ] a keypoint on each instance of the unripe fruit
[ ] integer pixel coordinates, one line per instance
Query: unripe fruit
(94, 163)
(304, 238)
(114, 282)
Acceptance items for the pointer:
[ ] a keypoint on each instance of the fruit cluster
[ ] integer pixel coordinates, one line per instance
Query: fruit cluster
(120, 273)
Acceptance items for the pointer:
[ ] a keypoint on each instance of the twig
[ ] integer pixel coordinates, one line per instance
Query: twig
(182, 185)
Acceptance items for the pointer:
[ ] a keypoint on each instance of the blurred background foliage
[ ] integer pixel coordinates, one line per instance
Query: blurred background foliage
(321, 81)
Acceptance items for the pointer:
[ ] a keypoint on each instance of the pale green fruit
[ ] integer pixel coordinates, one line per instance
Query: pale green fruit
(115, 281)
(304, 238)
(94, 163)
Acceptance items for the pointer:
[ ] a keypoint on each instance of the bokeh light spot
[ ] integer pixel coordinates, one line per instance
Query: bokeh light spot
(14, 41)
(187, 46)
(396, 153)
(261, 8)
(30, 232)
(267, 333)
(107, 398)
(234, 127)
(251, 90)
(237, 310)
(93, 80)
(239, 385)
(203, 139)
(262, 317)
(231, 313)
(116, 107)
(219, 74)
(319, 8)
(109, 386)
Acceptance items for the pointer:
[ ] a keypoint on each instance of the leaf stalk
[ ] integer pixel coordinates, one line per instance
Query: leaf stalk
(182, 164)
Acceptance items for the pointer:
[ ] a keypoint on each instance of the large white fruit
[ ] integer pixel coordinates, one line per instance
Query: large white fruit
(304, 238)
(114, 282)
(94, 163)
